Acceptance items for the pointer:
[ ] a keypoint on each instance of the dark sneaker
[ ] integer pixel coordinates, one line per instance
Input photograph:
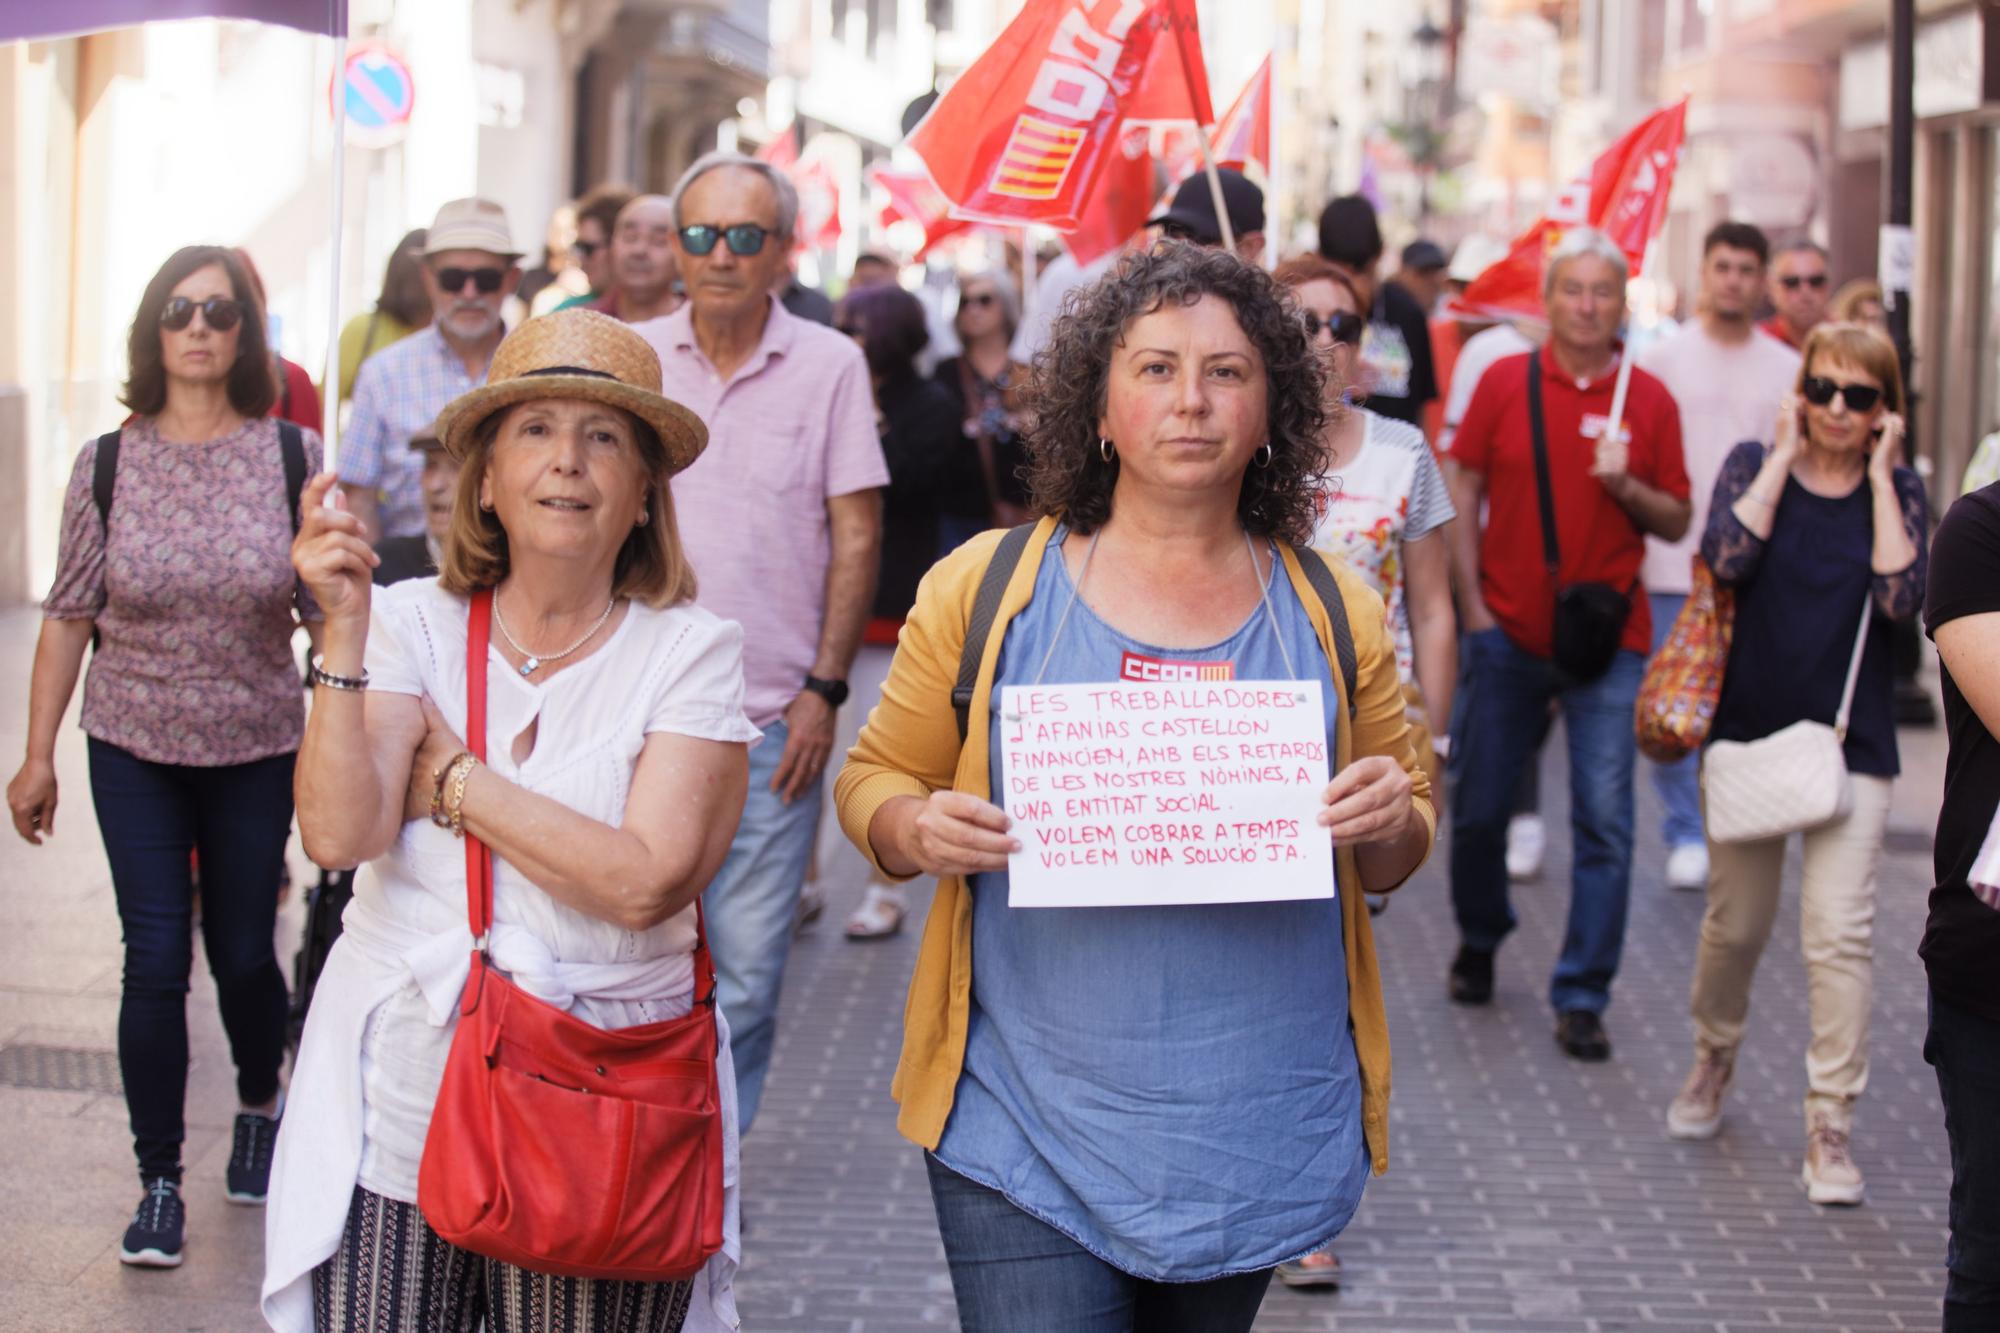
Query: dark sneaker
(158, 1228)
(249, 1177)
(1472, 976)
(1581, 1035)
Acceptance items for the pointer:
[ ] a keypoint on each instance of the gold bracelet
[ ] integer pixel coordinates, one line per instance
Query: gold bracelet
(438, 775)
(454, 803)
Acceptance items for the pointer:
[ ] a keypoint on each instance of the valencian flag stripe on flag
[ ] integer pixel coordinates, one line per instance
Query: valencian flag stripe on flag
(1024, 134)
(1625, 197)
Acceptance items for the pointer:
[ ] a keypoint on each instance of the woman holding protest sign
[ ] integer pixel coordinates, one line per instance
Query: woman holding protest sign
(1109, 1083)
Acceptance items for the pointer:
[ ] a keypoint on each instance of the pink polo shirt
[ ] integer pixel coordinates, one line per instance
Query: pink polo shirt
(792, 428)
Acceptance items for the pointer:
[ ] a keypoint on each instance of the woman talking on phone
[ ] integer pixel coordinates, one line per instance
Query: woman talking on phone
(1822, 539)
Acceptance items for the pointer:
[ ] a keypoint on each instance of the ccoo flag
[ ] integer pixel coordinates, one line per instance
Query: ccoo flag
(1024, 134)
(1624, 196)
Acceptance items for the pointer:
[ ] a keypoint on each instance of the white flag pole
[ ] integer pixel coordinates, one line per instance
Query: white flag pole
(330, 395)
(1617, 424)
(1028, 282)
(1207, 152)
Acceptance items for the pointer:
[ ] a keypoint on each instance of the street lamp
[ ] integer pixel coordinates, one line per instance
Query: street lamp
(1423, 110)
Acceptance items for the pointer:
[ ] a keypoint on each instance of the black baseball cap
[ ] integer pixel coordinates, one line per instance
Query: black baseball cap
(1193, 209)
(1421, 256)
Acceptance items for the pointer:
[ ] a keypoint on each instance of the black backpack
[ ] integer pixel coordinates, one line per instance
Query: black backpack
(1006, 556)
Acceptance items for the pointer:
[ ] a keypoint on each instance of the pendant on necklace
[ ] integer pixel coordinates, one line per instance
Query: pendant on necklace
(528, 667)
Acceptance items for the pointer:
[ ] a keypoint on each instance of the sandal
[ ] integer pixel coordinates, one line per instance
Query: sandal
(1315, 1270)
(880, 915)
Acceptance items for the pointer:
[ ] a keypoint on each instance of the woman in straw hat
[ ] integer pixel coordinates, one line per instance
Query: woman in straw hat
(615, 774)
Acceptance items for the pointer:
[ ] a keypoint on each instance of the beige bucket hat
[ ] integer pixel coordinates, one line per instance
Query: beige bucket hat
(576, 354)
(471, 224)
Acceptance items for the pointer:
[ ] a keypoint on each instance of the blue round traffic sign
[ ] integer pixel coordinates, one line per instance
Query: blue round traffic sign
(379, 91)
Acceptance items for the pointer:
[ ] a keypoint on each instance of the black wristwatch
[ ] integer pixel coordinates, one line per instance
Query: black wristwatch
(833, 691)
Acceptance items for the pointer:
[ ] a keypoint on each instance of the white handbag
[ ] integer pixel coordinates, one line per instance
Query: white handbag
(1788, 782)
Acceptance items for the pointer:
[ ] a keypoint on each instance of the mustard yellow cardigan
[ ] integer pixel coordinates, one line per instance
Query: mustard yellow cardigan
(910, 747)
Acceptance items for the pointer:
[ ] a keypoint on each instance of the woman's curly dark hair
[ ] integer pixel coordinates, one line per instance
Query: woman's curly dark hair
(1066, 396)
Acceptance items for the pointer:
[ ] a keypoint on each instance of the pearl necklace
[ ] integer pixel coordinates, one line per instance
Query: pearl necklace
(533, 662)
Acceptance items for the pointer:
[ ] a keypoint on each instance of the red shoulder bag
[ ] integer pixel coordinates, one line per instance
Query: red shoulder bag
(562, 1147)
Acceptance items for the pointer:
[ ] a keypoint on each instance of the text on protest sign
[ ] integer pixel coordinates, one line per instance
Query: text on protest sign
(1139, 794)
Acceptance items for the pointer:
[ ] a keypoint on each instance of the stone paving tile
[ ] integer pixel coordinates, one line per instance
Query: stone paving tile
(1525, 1195)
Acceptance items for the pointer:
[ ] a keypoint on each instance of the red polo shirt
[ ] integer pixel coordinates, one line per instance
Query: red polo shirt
(1778, 329)
(1599, 541)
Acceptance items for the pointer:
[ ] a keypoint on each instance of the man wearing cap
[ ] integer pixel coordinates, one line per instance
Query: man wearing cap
(470, 269)
(1422, 274)
(1396, 369)
(645, 279)
(782, 519)
(417, 557)
(1191, 216)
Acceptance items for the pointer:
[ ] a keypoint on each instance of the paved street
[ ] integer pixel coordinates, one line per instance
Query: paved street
(1525, 1192)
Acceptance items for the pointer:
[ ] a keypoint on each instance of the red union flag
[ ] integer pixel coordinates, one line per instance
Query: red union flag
(1243, 139)
(1025, 132)
(912, 198)
(1624, 196)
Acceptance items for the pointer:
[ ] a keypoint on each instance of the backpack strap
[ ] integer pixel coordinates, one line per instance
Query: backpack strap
(985, 609)
(292, 444)
(1327, 589)
(104, 477)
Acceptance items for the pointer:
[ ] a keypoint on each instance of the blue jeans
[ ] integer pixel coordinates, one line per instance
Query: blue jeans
(749, 907)
(1505, 693)
(1964, 1048)
(1678, 784)
(1012, 1271)
(238, 818)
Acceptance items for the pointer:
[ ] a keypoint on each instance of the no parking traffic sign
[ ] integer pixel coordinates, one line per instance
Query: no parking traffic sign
(380, 92)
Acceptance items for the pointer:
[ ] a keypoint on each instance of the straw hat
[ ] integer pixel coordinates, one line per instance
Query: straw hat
(576, 354)
(471, 224)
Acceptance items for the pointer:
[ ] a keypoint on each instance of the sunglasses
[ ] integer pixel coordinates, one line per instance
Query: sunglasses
(979, 300)
(218, 312)
(1342, 328)
(1791, 282)
(487, 280)
(743, 238)
(1819, 391)
(585, 249)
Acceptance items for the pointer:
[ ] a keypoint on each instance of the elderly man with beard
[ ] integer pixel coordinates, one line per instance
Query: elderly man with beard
(470, 268)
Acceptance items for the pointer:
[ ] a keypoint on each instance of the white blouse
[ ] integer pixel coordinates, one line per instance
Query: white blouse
(385, 1008)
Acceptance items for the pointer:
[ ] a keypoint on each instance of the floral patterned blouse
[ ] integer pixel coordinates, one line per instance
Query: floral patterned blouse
(191, 585)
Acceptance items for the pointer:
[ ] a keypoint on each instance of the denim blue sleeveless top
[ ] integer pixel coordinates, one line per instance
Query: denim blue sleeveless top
(1174, 1088)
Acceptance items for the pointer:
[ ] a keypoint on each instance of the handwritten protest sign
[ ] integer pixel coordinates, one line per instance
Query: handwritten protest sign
(1129, 795)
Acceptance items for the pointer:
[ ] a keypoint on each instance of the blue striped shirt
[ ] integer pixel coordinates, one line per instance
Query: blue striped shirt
(397, 392)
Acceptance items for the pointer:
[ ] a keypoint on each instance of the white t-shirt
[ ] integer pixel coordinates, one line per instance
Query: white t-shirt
(1390, 494)
(1727, 393)
(1481, 350)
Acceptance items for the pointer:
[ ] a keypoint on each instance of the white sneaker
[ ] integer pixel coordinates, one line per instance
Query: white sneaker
(1527, 839)
(1830, 1175)
(1696, 1111)
(1687, 867)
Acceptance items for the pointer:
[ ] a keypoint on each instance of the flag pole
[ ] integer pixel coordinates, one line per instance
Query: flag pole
(1028, 283)
(1207, 153)
(1617, 424)
(330, 395)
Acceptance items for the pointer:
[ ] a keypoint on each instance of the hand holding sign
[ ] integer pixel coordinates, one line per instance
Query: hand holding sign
(1368, 801)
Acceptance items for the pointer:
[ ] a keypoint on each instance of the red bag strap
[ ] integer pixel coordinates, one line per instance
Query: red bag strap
(478, 856)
